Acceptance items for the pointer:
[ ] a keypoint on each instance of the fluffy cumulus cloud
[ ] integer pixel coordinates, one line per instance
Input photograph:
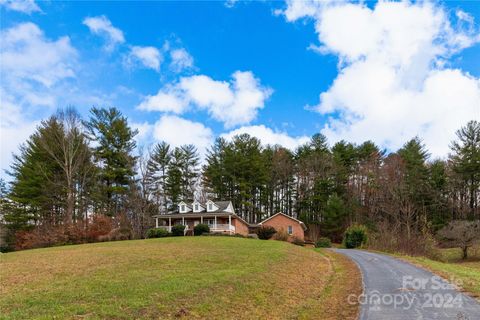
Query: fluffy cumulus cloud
(394, 79)
(178, 131)
(32, 66)
(28, 55)
(102, 26)
(268, 136)
(25, 6)
(149, 57)
(234, 103)
(180, 59)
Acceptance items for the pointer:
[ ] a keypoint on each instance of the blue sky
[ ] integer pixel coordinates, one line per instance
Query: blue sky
(187, 72)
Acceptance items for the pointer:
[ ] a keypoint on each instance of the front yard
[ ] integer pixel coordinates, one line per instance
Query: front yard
(190, 277)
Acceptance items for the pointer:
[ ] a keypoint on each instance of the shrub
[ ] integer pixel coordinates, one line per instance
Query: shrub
(323, 242)
(266, 232)
(297, 241)
(281, 235)
(100, 226)
(178, 230)
(157, 233)
(200, 229)
(355, 236)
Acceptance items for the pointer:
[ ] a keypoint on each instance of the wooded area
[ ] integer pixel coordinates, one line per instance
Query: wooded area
(80, 180)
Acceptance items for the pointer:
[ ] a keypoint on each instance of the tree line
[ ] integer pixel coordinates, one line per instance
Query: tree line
(89, 174)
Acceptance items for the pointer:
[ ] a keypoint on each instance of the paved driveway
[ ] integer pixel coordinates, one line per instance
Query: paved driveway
(394, 289)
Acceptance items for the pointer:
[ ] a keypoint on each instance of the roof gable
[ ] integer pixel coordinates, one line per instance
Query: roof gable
(285, 215)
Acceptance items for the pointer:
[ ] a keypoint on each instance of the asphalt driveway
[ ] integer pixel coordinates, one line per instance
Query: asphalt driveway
(394, 289)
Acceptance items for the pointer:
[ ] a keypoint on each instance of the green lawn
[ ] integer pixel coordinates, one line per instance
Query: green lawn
(191, 277)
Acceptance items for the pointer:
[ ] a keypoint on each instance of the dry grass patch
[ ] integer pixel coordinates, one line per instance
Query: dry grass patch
(191, 277)
(452, 267)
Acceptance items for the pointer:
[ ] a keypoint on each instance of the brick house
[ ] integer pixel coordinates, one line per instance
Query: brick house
(221, 218)
(282, 222)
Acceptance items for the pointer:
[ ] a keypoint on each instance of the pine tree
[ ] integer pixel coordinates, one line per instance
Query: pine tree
(113, 137)
(174, 179)
(157, 170)
(466, 163)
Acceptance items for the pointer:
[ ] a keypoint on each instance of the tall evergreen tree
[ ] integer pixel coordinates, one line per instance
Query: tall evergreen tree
(466, 163)
(174, 179)
(113, 138)
(157, 169)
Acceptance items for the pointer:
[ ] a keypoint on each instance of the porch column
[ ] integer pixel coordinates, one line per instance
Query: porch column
(156, 222)
(183, 220)
(201, 219)
(215, 224)
(169, 224)
(229, 223)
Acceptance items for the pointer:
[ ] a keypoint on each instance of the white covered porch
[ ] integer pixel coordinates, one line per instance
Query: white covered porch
(215, 223)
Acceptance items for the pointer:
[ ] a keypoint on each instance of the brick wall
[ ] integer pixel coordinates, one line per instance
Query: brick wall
(240, 227)
(281, 222)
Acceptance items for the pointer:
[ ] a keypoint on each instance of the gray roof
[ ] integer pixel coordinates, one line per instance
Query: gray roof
(222, 205)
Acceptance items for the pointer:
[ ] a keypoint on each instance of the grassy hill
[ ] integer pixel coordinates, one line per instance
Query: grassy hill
(191, 277)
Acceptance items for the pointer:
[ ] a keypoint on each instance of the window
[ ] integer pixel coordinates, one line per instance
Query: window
(210, 207)
(196, 207)
(209, 222)
(182, 208)
(290, 229)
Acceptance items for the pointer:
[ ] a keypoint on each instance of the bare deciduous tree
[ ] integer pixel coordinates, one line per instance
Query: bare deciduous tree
(460, 233)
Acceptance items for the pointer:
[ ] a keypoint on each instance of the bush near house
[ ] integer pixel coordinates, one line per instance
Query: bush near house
(266, 232)
(297, 241)
(157, 233)
(355, 236)
(281, 235)
(323, 242)
(178, 230)
(200, 229)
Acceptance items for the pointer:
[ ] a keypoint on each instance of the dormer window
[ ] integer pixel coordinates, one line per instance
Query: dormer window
(182, 208)
(210, 207)
(196, 207)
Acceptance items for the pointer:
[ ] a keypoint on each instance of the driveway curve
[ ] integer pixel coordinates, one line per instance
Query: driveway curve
(394, 289)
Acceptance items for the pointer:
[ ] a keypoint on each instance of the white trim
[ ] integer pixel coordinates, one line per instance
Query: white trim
(213, 208)
(230, 208)
(200, 207)
(185, 207)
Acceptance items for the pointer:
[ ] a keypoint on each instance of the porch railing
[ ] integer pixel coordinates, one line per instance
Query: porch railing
(218, 228)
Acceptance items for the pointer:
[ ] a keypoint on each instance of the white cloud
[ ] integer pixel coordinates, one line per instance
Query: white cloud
(28, 55)
(168, 99)
(268, 136)
(32, 68)
(177, 131)
(14, 129)
(394, 81)
(102, 26)
(150, 57)
(233, 103)
(230, 3)
(180, 59)
(25, 6)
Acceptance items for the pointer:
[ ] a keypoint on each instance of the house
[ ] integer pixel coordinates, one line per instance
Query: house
(218, 215)
(282, 222)
(221, 218)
